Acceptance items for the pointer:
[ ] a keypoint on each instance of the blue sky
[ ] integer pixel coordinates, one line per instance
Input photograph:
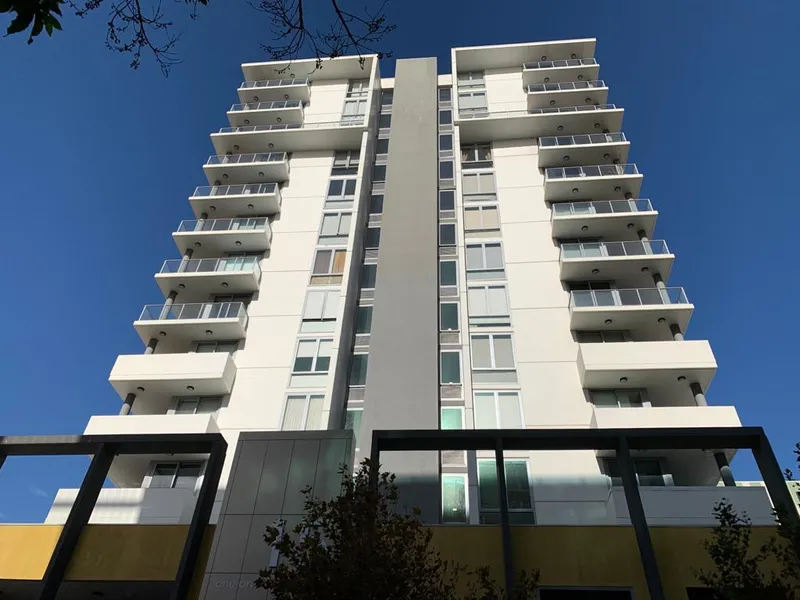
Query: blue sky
(106, 157)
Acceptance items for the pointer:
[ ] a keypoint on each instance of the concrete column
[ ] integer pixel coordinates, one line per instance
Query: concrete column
(170, 299)
(186, 256)
(643, 235)
(151, 346)
(127, 405)
(201, 222)
(699, 396)
(628, 196)
(677, 334)
(724, 469)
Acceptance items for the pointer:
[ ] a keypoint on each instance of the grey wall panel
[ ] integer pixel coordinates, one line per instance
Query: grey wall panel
(302, 472)
(244, 488)
(257, 554)
(273, 480)
(231, 546)
(332, 454)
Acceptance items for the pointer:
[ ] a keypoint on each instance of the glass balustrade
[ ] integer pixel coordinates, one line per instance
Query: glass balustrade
(274, 105)
(600, 207)
(581, 140)
(236, 190)
(613, 249)
(199, 310)
(535, 111)
(229, 159)
(590, 171)
(553, 64)
(239, 224)
(267, 83)
(565, 86)
(628, 297)
(284, 126)
(211, 265)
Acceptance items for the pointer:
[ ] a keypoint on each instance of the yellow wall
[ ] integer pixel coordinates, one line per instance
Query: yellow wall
(25, 550)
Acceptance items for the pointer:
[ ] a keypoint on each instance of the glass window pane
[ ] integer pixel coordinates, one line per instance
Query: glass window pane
(358, 369)
(603, 398)
(314, 304)
(382, 146)
(364, 319)
(446, 169)
(469, 183)
(487, 485)
(335, 187)
(589, 337)
(498, 300)
(338, 262)
(209, 405)
(323, 356)
(373, 237)
(510, 415)
(445, 94)
(454, 499)
(331, 310)
(368, 273)
(452, 418)
(490, 220)
(314, 417)
(376, 204)
(446, 141)
(487, 183)
(186, 407)
(485, 414)
(477, 301)
(447, 234)
(447, 272)
(447, 200)
(344, 224)
(474, 258)
(163, 474)
(472, 219)
(293, 416)
(188, 473)
(385, 121)
(613, 336)
(448, 317)
(305, 356)
(445, 117)
(379, 173)
(387, 97)
(322, 262)
(349, 187)
(451, 367)
(352, 421)
(503, 353)
(494, 256)
(519, 492)
(330, 224)
(227, 346)
(631, 398)
(481, 354)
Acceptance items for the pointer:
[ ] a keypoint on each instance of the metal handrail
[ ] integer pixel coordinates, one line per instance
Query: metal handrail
(550, 64)
(238, 224)
(282, 126)
(211, 265)
(627, 297)
(225, 159)
(581, 140)
(536, 111)
(263, 83)
(601, 207)
(197, 310)
(274, 105)
(565, 86)
(591, 171)
(235, 190)
(612, 249)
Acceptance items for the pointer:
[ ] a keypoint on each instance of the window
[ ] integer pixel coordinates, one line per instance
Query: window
(341, 192)
(597, 337)
(445, 117)
(197, 405)
(335, 226)
(485, 260)
(616, 398)
(445, 142)
(363, 319)
(357, 88)
(447, 200)
(313, 356)
(497, 410)
(450, 366)
(492, 351)
(446, 169)
(445, 94)
(329, 262)
(320, 310)
(176, 475)
(447, 273)
(345, 162)
(303, 412)
(448, 316)
(387, 98)
(478, 185)
(454, 498)
(470, 79)
(481, 218)
(376, 204)
(358, 369)
(648, 471)
(518, 489)
(382, 146)
(476, 156)
(452, 418)
(373, 238)
(354, 111)
(231, 346)
(488, 301)
(447, 234)
(385, 121)
(472, 102)
(379, 173)
(232, 299)
(368, 275)
(352, 421)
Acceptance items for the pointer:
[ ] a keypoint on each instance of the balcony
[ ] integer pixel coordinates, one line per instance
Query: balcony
(602, 218)
(342, 135)
(129, 506)
(666, 416)
(236, 200)
(275, 89)
(584, 149)
(646, 364)
(233, 275)
(599, 182)
(614, 260)
(157, 378)
(247, 168)
(266, 113)
(644, 310)
(217, 236)
(176, 326)
(570, 93)
(558, 71)
(517, 124)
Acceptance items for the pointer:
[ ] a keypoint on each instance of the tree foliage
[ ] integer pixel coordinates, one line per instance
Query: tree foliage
(149, 26)
(361, 546)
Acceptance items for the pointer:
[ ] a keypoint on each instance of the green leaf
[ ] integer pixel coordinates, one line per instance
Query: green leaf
(6, 5)
(52, 23)
(38, 25)
(20, 23)
(56, 8)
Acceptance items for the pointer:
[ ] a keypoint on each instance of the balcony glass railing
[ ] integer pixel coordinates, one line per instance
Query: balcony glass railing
(267, 83)
(613, 249)
(565, 86)
(469, 114)
(632, 297)
(591, 171)
(230, 159)
(201, 310)
(212, 265)
(552, 64)
(600, 207)
(581, 140)
(274, 105)
(242, 224)
(235, 190)
(282, 126)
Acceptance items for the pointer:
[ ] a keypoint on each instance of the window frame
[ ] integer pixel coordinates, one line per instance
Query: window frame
(455, 272)
(483, 246)
(340, 216)
(373, 202)
(307, 397)
(492, 461)
(357, 117)
(492, 352)
(198, 400)
(665, 477)
(357, 88)
(481, 209)
(480, 177)
(358, 321)
(374, 267)
(372, 244)
(496, 403)
(460, 367)
(350, 369)
(447, 193)
(350, 162)
(375, 170)
(457, 305)
(335, 293)
(216, 343)
(470, 79)
(356, 434)
(443, 226)
(443, 169)
(178, 463)
(334, 252)
(462, 417)
(344, 196)
(484, 288)
(384, 116)
(445, 121)
(378, 149)
(465, 487)
(617, 392)
(315, 358)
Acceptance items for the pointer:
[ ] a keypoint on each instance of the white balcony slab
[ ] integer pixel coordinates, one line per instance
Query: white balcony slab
(129, 506)
(264, 113)
(150, 424)
(267, 90)
(569, 155)
(607, 225)
(664, 416)
(174, 332)
(241, 169)
(308, 137)
(643, 318)
(610, 263)
(607, 186)
(206, 241)
(209, 276)
(236, 201)
(595, 92)
(560, 71)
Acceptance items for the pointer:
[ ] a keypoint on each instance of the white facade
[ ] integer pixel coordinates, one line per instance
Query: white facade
(568, 265)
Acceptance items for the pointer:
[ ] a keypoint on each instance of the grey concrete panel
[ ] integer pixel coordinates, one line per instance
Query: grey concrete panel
(302, 472)
(332, 454)
(248, 590)
(273, 477)
(214, 544)
(245, 485)
(257, 553)
(222, 586)
(232, 540)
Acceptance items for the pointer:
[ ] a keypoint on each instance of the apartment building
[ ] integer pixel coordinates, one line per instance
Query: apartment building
(457, 251)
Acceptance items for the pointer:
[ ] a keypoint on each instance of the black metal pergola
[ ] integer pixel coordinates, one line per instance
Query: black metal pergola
(621, 441)
(103, 449)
